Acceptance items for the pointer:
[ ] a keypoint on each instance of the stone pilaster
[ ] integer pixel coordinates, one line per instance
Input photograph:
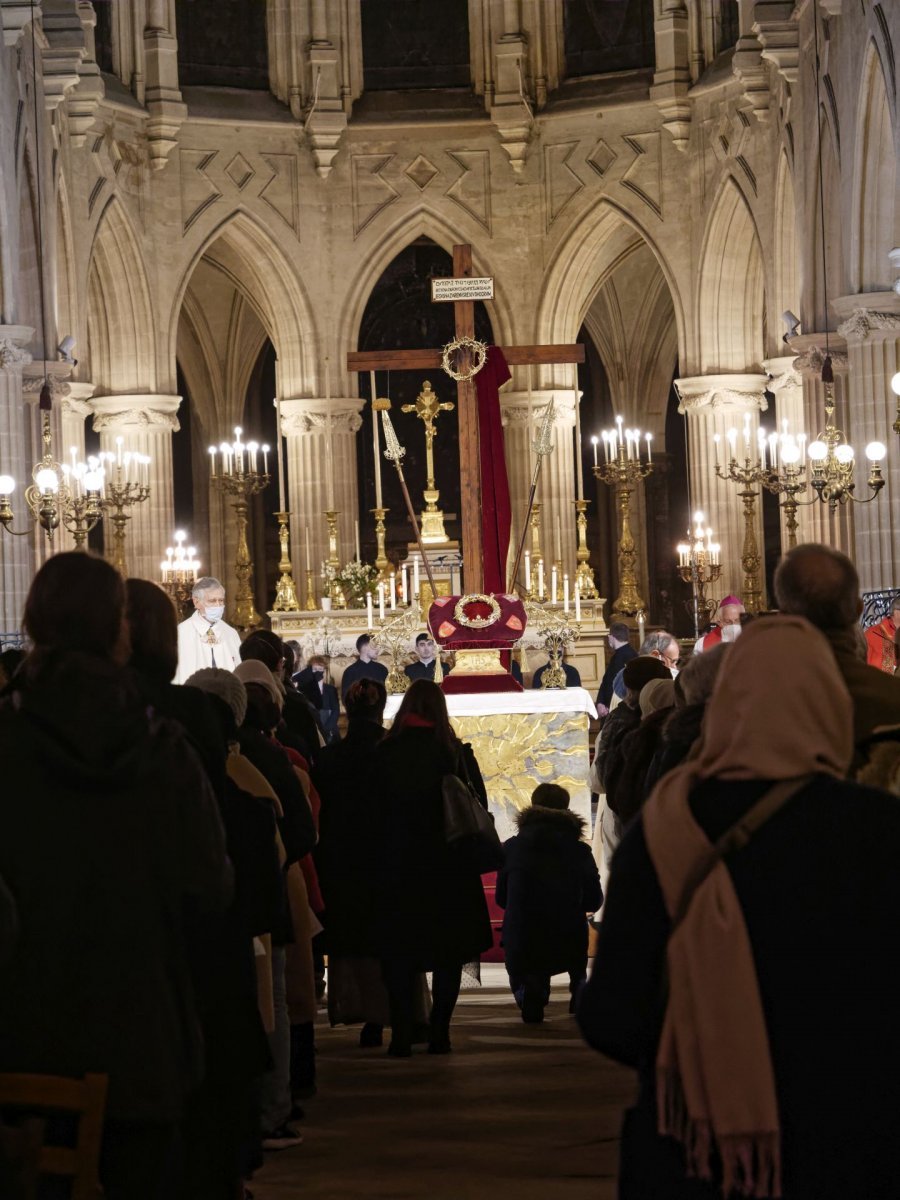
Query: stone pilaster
(510, 107)
(14, 16)
(146, 424)
(17, 557)
(714, 404)
(672, 80)
(162, 95)
(320, 444)
(872, 331)
(556, 490)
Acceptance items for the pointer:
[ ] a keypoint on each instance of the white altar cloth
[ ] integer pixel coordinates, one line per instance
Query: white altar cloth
(535, 700)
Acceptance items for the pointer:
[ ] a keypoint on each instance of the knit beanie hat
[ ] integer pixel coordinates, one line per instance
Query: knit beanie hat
(642, 669)
(253, 671)
(223, 684)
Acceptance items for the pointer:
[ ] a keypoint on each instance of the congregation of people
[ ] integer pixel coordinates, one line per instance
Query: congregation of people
(180, 860)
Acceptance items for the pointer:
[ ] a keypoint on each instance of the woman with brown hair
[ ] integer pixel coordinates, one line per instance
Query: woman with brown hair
(431, 914)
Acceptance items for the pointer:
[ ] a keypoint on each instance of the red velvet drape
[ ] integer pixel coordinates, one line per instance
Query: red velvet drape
(496, 513)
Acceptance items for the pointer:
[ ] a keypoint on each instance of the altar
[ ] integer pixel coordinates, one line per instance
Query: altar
(522, 739)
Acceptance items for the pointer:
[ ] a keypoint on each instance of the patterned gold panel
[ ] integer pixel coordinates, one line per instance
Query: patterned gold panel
(517, 751)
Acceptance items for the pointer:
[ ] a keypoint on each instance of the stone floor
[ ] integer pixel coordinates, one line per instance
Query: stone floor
(525, 1112)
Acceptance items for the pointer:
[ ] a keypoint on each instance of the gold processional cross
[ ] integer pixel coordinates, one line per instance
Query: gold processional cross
(467, 399)
(427, 407)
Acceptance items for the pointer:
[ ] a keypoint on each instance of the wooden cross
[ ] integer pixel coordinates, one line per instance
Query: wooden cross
(469, 460)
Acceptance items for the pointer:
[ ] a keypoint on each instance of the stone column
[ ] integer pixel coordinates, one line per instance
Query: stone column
(16, 553)
(786, 384)
(873, 349)
(714, 404)
(321, 459)
(146, 424)
(556, 490)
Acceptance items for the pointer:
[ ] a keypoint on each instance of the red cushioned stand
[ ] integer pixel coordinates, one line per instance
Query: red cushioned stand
(450, 630)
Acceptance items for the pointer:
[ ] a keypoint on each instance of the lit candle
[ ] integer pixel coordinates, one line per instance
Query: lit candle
(594, 441)
(393, 591)
(280, 450)
(212, 462)
(554, 582)
(118, 452)
(265, 454)
(307, 550)
(619, 421)
(416, 577)
(558, 538)
(356, 539)
(649, 437)
(375, 445)
(566, 592)
(370, 616)
(239, 450)
(381, 602)
(527, 571)
(540, 579)
(640, 621)
(578, 603)
(404, 585)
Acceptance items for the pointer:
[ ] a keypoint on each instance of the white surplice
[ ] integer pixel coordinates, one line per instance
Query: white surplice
(201, 644)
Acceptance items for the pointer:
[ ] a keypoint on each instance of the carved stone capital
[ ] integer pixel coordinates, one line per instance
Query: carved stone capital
(741, 393)
(76, 403)
(56, 374)
(810, 362)
(782, 373)
(302, 416)
(864, 321)
(126, 414)
(514, 407)
(11, 355)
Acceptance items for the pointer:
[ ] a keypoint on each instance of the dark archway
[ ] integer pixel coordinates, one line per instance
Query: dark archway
(401, 315)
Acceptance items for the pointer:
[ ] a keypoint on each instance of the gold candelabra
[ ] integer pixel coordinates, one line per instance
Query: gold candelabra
(395, 634)
(179, 571)
(126, 485)
(241, 479)
(584, 576)
(70, 496)
(832, 457)
(557, 635)
(624, 470)
(748, 476)
(381, 558)
(698, 565)
(790, 480)
(286, 592)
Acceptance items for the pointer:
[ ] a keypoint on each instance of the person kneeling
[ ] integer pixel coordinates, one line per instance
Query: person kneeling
(548, 883)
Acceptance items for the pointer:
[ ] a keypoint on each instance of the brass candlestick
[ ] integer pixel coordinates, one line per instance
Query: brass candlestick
(791, 481)
(537, 553)
(748, 477)
(624, 470)
(286, 591)
(241, 479)
(333, 562)
(698, 565)
(381, 558)
(584, 576)
(120, 496)
(311, 604)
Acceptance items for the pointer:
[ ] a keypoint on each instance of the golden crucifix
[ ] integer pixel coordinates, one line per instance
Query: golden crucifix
(427, 407)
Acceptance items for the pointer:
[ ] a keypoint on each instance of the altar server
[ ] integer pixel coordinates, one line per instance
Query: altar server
(204, 639)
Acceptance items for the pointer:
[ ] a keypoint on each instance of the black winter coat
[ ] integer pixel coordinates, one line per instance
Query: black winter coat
(679, 732)
(348, 829)
(547, 885)
(822, 910)
(428, 907)
(109, 834)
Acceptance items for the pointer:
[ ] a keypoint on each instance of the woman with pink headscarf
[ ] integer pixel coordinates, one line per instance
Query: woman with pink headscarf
(747, 962)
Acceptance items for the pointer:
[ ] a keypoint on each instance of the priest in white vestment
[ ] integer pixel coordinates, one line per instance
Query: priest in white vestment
(204, 639)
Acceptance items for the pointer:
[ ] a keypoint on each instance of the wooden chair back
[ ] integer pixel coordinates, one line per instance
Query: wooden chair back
(83, 1098)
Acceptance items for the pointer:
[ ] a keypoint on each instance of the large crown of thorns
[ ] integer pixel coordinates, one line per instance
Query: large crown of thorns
(463, 358)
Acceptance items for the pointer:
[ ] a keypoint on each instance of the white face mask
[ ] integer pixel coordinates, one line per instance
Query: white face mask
(214, 612)
(731, 633)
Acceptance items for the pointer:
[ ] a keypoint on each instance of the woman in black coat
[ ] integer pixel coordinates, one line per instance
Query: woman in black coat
(347, 829)
(431, 913)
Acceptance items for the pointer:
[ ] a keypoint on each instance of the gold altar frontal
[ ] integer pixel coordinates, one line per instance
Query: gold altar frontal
(522, 739)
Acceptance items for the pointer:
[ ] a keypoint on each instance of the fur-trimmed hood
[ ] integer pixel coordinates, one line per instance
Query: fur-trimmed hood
(556, 820)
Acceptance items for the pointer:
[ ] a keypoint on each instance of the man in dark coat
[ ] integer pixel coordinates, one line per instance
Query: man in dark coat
(426, 656)
(822, 585)
(622, 652)
(366, 666)
(547, 885)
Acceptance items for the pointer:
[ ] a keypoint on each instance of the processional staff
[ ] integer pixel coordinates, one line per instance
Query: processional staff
(541, 446)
